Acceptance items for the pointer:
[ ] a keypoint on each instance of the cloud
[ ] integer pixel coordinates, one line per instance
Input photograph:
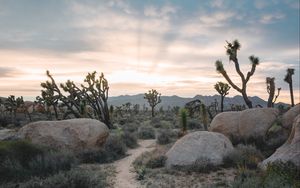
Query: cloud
(271, 18)
(167, 45)
(163, 12)
(8, 72)
(217, 3)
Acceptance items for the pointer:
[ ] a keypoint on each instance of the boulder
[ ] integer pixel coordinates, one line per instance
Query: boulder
(201, 148)
(245, 124)
(226, 123)
(289, 116)
(290, 150)
(256, 122)
(73, 134)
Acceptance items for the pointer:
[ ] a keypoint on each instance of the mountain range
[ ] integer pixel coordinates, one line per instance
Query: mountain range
(181, 101)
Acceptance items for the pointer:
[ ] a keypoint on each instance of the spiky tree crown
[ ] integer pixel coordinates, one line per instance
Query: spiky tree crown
(232, 48)
(222, 88)
(288, 76)
(219, 66)
(254, 60)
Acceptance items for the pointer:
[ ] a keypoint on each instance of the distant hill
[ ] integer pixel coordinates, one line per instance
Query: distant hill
(181, 101)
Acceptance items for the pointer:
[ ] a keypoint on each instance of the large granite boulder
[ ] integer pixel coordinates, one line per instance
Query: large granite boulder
(73, 134)
(226, 123)
(250, 123)
(199, 148)
(289, 116)
(290, 150)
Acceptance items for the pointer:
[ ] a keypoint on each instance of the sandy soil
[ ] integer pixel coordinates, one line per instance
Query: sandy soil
(125, 175)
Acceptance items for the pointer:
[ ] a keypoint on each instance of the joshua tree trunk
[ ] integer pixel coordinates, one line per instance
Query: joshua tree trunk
(271, 90)
(55, 111)
(247, 100)
(222, 103)
(292, 93)
(152, 111)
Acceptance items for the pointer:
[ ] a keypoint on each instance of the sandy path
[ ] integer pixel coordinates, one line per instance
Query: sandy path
(125, 177)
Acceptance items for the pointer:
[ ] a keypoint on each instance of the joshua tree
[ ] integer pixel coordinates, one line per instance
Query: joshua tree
(231, 50)
(222, 89)
(49, 98)
(289, 80)
(95, 95)
(153, 98)
(193, 107)
(271, 90)
(12, 104)
(204, 116)
(278, 93)
(183, 118)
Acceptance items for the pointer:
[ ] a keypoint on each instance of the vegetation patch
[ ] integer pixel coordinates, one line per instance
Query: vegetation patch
(145, 132)
(246, 155)
(21, 160)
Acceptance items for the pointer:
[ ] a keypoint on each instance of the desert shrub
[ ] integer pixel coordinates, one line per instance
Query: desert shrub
(5, 121)
(243, 155)
(194, 124)
(149, 160)
(75, 178)
(20, 150)
(155, 122)
(92, 156)
(166, 124)
(145, 132)
(277, 175)
(114, 148)
(130, 127)
(281, 174)
(21, 160)
(164, 137)
(156, 162)
(201, 165)
(141, 172)
(130, 139)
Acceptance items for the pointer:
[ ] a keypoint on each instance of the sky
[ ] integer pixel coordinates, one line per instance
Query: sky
(168, 45)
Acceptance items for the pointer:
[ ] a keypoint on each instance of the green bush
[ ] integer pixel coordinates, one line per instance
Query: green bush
(201, 165)
(130, 127)
(155, 122)
(114, 148)
(146, 133)
(76, 178)
(277, 175)
(149, 160)
(281, 174)
(156, 162)
(21, 160)
(243, 155)
(194, 124)
(164, 137)
(130, 139)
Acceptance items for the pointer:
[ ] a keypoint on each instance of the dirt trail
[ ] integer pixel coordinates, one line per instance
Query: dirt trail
(125, 177)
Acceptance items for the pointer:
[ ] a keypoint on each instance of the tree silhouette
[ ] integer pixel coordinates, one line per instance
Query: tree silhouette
(231, 50)
(289, 80)
(222, 89)
(76, 99)
(153, 98)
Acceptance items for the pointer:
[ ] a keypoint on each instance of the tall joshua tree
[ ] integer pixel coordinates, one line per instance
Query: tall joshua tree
(231, 50)
(289, 80)
(153, 98)
(75, 98)
(271, 90)
(222, 89)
